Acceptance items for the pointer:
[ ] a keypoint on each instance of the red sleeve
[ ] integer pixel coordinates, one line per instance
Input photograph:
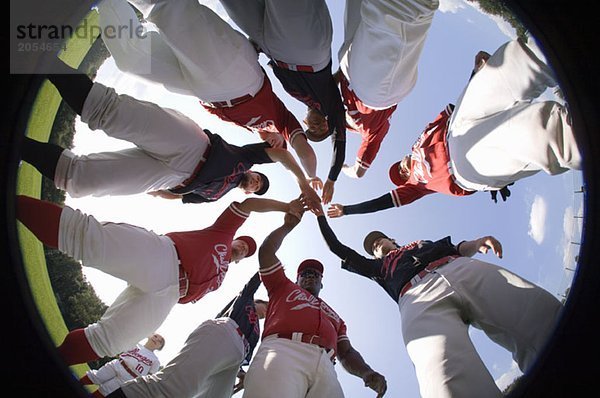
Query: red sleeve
(408, 193)
(342, 332)
(286, 122)
(371, 141)
(231, 219)
(273, 277)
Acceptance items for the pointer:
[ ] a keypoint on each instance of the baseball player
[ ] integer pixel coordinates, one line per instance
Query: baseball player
(383, 41)
(207, 365)
(303, 335)
(173, 156)
(195, 52)
(494, 136)
(161, 270)
(138, 361)
(296, 36)
(441, 291)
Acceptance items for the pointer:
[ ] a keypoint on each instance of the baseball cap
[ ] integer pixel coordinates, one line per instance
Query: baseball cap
(250, 242)
(310, 263)
(371, 238)
(265, 184)
(395, 175)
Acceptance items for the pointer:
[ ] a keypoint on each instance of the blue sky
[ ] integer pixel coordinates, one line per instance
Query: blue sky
(536, 225)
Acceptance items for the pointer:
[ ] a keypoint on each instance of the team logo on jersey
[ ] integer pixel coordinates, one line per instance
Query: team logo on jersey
(253, 318)
(390, 261)
(135, 354)
(421, 168)
(220, 261)
(267, 125)
(307, 300)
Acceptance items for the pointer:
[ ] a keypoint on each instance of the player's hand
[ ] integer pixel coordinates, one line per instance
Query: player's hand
(274, 139)
(296, 208)
(328, 189)
(480, 59)
(165, 194)
(240, 384)
(316, 183)
(376, 382)
(310, 197)
(318, 211)
(335, 210)
(350, 171)
(489, 243)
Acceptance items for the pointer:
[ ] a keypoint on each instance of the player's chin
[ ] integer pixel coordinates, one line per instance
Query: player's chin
(309, 284)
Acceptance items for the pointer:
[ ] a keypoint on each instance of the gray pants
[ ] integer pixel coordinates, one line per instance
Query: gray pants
(297, 32)
(206, 366)
(437, 312)
(498, 134)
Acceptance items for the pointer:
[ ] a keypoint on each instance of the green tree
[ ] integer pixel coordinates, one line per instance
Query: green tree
(500, 9)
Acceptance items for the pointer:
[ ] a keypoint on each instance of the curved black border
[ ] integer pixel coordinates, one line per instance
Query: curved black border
(566, 31)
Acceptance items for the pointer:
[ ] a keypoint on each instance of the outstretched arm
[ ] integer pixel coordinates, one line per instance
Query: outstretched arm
(469, 248)
(287, 160)
(354, 363)
(336, 247)
(339, 154)
(369, 206)
(165, 194)
(306, 154)
(263, 205)
(267, 251)
(351, 260)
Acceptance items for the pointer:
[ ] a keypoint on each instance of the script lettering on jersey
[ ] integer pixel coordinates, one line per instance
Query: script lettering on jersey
(307, 300)
(390, 262)
(136, 355)
(266, 125)
(306, 100)
(220, 261)
(421, 168)
(252, 317)
(230, 179)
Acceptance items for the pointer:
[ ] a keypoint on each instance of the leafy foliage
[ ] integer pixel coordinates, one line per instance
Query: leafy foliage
(500, 9)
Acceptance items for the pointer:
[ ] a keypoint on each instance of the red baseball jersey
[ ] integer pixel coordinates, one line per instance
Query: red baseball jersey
(429, 171)
(205, 254)
(292, 309)
(263, 112)
(371, 124)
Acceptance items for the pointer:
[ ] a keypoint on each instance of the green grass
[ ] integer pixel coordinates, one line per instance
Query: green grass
(29, 183)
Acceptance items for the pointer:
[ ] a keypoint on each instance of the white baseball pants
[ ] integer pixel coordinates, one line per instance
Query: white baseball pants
(436, 314)
(206, 366)
(194, 51)
(498, 135)
(297, 32)
(147, 261)
(168, 148)
(109, 377)
(383, 41)
(291, 369)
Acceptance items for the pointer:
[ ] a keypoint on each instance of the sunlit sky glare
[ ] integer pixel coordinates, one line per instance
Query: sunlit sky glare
(537, 226)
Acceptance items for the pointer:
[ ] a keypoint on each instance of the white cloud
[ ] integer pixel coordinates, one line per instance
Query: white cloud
(508, 377)
(451, 5)
(537, 219)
